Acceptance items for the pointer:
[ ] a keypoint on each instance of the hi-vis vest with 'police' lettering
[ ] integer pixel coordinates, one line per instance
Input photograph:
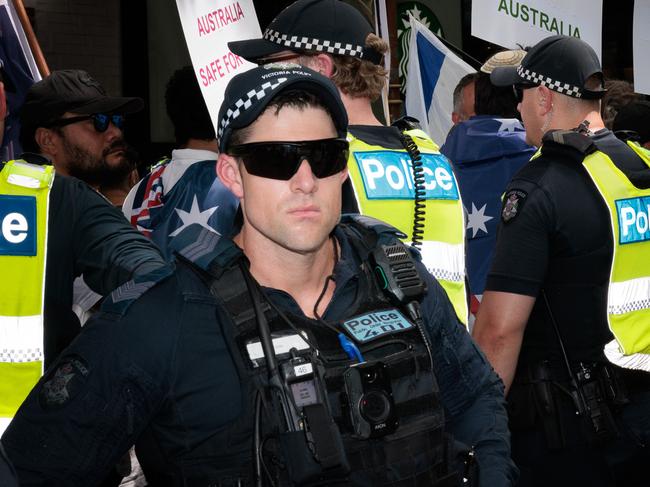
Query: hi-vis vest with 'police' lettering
(628, 297)
(24, 198)
(384, 189)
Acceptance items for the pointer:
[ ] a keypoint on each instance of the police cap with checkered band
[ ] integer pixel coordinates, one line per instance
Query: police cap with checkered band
(328, 26)
(561, 63)
(249, 93)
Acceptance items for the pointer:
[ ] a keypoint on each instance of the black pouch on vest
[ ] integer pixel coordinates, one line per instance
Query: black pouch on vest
(315, 457)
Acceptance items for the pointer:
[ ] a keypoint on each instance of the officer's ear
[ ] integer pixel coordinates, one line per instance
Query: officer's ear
(48, 141)
(544, 99)
(323, 63)
(229, 173)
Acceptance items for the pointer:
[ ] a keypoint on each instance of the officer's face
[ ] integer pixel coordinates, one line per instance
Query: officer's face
(94, 157)
(299, 214)
(530, 116)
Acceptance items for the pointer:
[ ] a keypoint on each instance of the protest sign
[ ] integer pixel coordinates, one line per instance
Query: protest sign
(511, 22)
(208, 26)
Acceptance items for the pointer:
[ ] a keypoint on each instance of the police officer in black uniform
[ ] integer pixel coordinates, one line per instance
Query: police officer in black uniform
(576, 419)
(298, 352)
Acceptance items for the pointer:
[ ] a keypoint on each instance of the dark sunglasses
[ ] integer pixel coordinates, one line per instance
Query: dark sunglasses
(518, 90)
(281, 160)
(100, 121)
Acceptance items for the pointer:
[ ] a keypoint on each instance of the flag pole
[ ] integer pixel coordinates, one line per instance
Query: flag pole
(31, 38)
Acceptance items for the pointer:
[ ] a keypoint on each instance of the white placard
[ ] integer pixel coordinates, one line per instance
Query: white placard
(208, 26)
(511, 22)
(641, 46)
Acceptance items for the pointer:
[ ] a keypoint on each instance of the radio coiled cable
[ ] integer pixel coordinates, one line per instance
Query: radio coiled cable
(419, 200)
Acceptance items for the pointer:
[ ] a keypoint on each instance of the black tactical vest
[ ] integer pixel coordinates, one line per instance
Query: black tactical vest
(414, 453)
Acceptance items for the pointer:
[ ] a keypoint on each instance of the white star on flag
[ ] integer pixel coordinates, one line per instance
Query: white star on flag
(476, 220)
(195, 215)
(507, 124)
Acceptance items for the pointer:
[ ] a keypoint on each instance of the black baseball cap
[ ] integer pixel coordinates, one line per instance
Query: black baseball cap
(634, 116)
(71, 90)
(328, 26)
(561, 63)
(249, 93)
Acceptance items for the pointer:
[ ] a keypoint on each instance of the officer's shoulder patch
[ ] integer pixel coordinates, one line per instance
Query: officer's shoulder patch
(204, 247)
(513, 202)
(122, 297)
(63, 382)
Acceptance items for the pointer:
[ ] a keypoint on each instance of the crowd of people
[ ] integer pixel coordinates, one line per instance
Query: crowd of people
(286, 300)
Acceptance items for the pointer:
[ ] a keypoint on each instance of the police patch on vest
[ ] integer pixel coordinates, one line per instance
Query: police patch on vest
(633, 219)
(370, 326)
(513, 202)
(17, 225)
(388, 175)
(64, 382)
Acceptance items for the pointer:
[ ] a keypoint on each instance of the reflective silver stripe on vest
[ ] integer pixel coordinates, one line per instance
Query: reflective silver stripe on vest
(637, 361)
(443, 260)
(627, 296)
(21, 339)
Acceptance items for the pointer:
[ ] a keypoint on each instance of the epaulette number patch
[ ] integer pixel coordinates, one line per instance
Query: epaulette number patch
(513, 201)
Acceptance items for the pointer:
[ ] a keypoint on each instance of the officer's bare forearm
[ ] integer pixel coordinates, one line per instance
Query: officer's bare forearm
(499, 330)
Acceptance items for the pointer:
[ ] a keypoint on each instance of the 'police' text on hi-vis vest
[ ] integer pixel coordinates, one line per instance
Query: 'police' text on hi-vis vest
(628, 298)
(384, 188)
(24, 198)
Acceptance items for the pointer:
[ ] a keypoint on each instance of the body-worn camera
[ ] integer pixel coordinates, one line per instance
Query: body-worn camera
(370, 399)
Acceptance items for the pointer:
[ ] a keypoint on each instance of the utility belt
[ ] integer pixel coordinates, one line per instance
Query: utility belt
(593, 396)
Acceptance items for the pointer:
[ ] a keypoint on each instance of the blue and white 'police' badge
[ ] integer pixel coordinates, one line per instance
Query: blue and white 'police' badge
(513, 202)
(370, 326)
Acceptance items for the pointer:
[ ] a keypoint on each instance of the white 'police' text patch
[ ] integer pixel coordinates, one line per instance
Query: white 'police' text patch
(387, 175)
(370, 326)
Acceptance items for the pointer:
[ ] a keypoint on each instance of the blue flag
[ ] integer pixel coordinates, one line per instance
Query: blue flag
(174, 196)
(485, 152)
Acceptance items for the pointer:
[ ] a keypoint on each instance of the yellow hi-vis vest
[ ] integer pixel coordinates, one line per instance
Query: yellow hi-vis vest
(24, 198)
(628, 297)
(383, 185)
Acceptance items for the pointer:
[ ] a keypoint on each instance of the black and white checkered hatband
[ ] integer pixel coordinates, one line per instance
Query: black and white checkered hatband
(244, 103)
(304, 43)
(551, 84)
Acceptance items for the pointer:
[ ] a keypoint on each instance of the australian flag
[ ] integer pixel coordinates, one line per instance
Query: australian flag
(174, 195)
(19, 73)
(485, 152)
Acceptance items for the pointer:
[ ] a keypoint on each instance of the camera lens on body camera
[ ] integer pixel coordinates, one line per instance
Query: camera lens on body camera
(370, 400)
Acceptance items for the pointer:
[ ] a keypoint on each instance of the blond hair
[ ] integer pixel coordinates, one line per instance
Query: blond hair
(356, 77)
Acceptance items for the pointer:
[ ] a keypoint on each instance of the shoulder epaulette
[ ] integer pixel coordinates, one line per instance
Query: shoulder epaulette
(366, 232)
(204, 247)
(124, 296)
(567, 143)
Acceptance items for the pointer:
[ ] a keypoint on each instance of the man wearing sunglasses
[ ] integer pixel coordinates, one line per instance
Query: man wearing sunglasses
(397, 173)
(68, 118)
(564, 317)
(220, 372)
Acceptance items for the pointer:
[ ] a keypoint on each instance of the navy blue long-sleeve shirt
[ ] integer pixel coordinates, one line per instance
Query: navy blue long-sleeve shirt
(162, 363)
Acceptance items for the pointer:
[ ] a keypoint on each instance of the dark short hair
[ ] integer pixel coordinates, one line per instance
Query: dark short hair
(464, 81)
(186, 107)
(497, 101)
(291, 98)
